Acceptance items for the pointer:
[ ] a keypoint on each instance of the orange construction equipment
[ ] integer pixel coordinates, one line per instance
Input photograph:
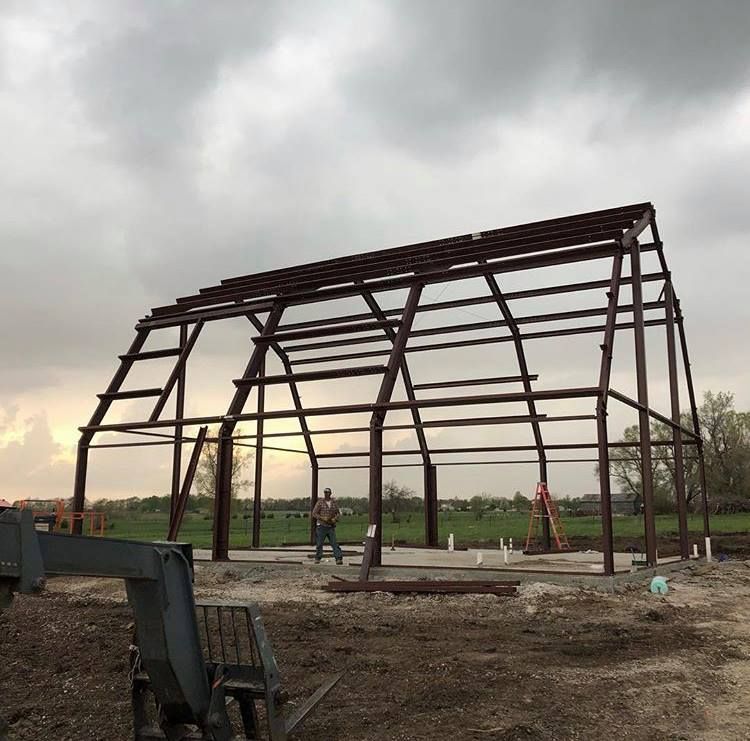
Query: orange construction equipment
(544, 506)
(96, 522)
(44, 509)
(50, 514)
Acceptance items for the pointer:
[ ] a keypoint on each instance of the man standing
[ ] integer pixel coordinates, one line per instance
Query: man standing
(327, 513)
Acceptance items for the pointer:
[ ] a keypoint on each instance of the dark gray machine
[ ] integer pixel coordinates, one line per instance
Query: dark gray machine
(195, 667)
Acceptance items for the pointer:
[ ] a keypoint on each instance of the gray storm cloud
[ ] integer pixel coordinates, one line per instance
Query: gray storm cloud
(153, 148)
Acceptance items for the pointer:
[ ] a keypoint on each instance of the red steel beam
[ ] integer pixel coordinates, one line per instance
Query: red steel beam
(512, 324)
(180, 504)
(633, 211)
(569, 393)
(485, 247)
(500, 448)
(460, 422)
(293, 390)
(559, 257)
(412, 258)
(179, 413)
(326, 331)
(477, 326)
(224, 454)
(694, 414)
(472, 382)
(477, 341)
(605, 370)
(674, 397)
(258, 482)
(380, 409)
(651, 413)
(318, 375)
(480, 300)
(647, 474)
(533, 462)
(430, 478)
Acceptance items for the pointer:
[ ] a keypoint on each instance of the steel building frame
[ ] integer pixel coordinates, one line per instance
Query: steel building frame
(609, 235)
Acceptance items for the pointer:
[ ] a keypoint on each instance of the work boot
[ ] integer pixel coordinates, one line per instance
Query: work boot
(317, 560)
(339, 562)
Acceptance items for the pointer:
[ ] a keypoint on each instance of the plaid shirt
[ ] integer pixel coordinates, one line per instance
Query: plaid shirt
(326, 511)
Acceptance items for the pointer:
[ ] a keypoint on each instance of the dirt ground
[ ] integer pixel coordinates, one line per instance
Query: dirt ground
(553, 663)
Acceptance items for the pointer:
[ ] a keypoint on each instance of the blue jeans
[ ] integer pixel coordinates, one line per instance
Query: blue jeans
(321, 533)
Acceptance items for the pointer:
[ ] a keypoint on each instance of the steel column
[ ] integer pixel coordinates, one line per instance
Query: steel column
(175, 520)
(674, 396)
(297, 400)
(258, 483)
(523, 367)
(378, 417)
(179, 414)
(79, 485)
(223, 492)
(605, 371)
(643, 416)
(431, 506)
(222, 498)
(605, 490)
(376, 490)
(694, 415)
(430, 537)
(293, 390)
(313, 499)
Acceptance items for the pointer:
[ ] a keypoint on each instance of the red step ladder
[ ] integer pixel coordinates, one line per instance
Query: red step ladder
(544, 506)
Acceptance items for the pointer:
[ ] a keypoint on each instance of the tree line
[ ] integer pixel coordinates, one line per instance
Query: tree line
(726, 452)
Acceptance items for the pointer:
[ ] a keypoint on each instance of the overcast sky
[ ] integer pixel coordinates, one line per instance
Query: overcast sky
(151, 148)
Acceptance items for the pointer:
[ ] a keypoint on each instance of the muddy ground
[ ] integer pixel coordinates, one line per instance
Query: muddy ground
(553, 663)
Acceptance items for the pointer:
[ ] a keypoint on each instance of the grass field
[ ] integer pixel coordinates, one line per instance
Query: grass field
(281, 530)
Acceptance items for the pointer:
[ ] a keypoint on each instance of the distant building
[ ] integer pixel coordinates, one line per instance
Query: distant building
(4, 504)
(346, 510)
(622, 504)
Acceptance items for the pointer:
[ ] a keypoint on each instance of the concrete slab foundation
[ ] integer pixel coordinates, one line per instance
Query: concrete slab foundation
(579, 568)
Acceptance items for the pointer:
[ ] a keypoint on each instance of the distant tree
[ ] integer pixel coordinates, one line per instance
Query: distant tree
(478, 504)
(396, 497)
(726, 447)
(520, 502)
(205, 475)
(726, 435)
(625, 467)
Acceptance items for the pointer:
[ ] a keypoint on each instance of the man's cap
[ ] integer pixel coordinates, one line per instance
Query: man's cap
(327, 491)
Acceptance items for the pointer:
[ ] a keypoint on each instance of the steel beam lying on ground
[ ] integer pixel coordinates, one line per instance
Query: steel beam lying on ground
(500, 588)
